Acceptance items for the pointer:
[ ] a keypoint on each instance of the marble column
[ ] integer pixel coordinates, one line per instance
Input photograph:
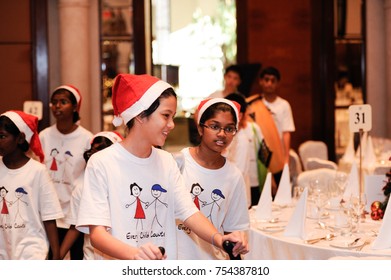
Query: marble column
(74, 51)
(387, 97)
(377, 66)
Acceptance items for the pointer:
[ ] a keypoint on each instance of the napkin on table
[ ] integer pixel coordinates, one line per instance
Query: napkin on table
(349, 152)
(353, 183)
(296, 224)
(284, 191)
(264, 207)
(369, 156)
(383, 240)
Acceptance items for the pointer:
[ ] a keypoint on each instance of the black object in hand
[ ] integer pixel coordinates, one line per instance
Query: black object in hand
(162, 250)
(228, 247)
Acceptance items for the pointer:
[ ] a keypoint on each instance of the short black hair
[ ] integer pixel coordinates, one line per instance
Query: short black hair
(238, 98)
(234, 68)
(270, 71)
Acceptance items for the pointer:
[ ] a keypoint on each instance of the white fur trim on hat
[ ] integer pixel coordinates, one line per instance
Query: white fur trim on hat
(113, 137)
(144, 102)
(212, 101)
(72, 90)
(20, 124)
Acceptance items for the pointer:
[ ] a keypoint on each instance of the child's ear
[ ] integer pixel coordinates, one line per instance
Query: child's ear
(21, 138)
(200, 130)
(139, 119)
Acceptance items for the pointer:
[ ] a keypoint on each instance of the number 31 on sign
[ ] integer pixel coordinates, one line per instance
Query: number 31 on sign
(360, 118)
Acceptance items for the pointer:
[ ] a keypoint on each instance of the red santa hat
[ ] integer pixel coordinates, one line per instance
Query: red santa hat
(74, 91)
(28, 124)
(133, 94)
(113, 136)
(206, 103)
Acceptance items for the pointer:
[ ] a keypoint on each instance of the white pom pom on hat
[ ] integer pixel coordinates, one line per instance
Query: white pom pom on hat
(133, 94)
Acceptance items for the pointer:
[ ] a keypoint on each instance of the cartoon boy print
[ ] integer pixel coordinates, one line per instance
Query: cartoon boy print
(156, 191)
(5, 217)
(19, 193)
(196, 190)
(135, 190)
(216, 195)
(67, 177)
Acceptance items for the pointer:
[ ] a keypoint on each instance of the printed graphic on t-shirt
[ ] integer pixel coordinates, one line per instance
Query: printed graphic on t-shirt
(214, 205)
(61, 168)
(148, 212)
(196, 190)
(16, 209)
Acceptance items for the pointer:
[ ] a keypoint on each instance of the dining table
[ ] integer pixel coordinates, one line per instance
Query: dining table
(267, 239)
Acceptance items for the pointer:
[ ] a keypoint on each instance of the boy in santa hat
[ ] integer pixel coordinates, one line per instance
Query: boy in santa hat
(118, 215)
(29, 206)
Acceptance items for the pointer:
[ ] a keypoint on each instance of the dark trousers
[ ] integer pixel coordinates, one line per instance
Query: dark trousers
(76, 251)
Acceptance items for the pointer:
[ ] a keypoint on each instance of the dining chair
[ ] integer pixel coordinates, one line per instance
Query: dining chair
(323, 174)
(312, 149)
(315, 163)
(295, 167)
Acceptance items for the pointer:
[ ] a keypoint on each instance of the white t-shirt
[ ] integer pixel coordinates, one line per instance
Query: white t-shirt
(71, 218)
(282, 114)
(64, 160)
(255, 139)
(137, 199)
(222, 201)
(27, 199)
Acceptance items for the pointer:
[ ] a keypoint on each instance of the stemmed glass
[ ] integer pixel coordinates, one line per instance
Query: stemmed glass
(319, 195)
(357, 204)
(340, 180)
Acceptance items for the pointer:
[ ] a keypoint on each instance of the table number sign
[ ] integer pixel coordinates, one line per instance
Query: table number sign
(34, 108)
(360, 118)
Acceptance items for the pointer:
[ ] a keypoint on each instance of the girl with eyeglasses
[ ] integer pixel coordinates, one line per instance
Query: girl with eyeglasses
(133, 191)
(220, 194)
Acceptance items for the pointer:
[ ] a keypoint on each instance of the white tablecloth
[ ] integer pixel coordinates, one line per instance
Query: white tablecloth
(275, 246)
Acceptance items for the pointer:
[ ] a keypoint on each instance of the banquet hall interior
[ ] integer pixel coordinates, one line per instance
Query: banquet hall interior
(314, 44)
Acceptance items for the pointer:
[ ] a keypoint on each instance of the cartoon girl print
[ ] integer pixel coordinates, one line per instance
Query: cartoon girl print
(5, 217)
(67, 175)
(156, 191)
(196, 190)
(19, 193)
(216, 195)
(54, 165)
(135, 190)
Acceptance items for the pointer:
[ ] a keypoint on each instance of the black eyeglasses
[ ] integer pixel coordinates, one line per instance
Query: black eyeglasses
(231, 130)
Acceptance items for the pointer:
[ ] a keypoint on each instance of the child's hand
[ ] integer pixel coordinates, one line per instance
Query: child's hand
(150, 251)
(240, 240)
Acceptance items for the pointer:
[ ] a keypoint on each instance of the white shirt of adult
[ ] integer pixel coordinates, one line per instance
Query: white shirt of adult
(282, 114)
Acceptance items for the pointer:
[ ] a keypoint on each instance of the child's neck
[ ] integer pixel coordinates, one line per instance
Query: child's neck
(207, 159)
(16, 160)
(66, 127)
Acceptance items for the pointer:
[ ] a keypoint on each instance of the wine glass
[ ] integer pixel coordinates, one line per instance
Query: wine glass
(357, 204)
(340, 180)
(320, 199)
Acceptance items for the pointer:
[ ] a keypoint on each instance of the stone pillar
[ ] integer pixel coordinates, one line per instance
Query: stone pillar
(376, 66)
(74, 51)
(387, 97)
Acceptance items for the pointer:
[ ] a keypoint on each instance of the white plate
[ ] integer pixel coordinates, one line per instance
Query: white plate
(344, 244)
(271, 228)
